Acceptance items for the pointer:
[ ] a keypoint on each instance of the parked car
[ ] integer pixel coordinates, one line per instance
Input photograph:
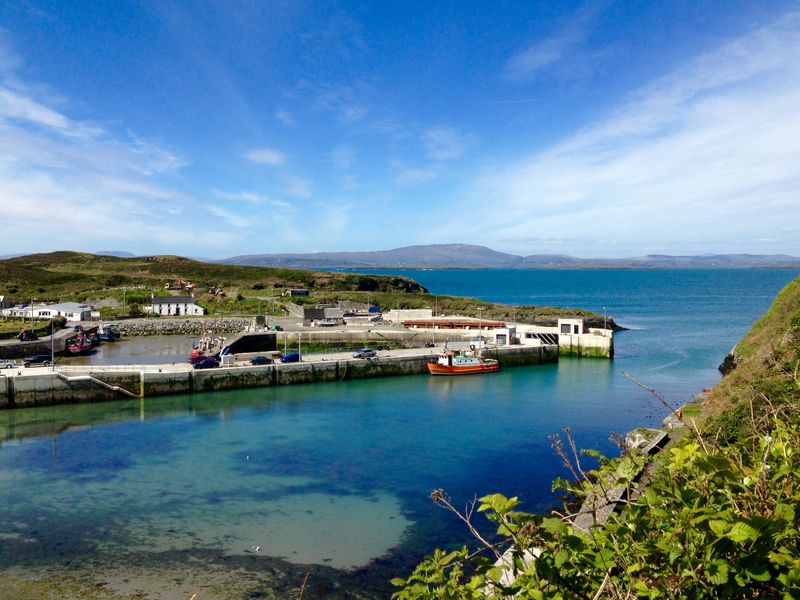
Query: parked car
(6, 364)
(365, 353)
(26, 335)
(290, 358)
(206, 363)
(261, 360)
(43, 360)
(275, 328)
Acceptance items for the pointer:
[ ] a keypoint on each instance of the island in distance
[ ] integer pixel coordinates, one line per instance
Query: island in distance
(481, 257)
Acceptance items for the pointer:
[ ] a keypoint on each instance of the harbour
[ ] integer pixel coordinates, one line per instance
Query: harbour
(75, 384)
(166, 496)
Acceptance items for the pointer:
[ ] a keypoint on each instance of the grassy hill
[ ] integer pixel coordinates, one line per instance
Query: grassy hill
(119, 286)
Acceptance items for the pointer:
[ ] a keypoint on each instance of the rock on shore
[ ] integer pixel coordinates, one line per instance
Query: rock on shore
(134, 327)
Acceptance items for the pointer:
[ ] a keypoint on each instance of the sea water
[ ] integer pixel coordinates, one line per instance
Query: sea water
(242, 494)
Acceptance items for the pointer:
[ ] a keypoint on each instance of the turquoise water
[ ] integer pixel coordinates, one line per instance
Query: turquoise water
(249, 491)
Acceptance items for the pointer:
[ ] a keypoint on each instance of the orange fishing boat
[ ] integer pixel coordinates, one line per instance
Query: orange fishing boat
(452, 362)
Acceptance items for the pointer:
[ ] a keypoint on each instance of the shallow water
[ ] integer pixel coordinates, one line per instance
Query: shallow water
(256, 488)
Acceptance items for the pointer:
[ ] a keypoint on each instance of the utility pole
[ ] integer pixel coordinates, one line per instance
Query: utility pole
(52, 348)
(480, 326)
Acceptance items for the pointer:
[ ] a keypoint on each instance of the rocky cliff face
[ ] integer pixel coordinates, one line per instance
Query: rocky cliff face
(729, 363)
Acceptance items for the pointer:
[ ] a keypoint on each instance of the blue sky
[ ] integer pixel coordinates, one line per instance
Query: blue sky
(218, 128)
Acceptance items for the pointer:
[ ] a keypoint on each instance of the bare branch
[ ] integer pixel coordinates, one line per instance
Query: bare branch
(440, 498)
(655, 395)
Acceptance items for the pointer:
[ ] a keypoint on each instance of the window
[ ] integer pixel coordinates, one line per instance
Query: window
(565, 328)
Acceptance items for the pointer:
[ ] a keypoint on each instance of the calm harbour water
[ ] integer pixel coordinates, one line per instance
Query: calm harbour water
(174, 495)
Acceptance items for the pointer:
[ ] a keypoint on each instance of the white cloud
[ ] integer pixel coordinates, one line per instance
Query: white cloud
(347, 101)
(297, 187)
(239, 221)
(63, 177)
(405, 175)
(343, 157)
(562, 48)
(527, 63)
(250, 197)
(285, 117)
(266, 156)
(443, 143)
(709, 152)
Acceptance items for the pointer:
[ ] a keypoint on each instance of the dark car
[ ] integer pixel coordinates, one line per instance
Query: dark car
(291, 357)
(261, 360)
(26, 335)
(207, 363)
(365, 353)
(43, 360)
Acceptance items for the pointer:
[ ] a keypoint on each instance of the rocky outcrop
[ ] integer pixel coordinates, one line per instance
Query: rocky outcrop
(729, 364)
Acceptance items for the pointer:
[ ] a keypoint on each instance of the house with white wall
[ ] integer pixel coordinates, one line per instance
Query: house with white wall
(71, 311)
(174, 306)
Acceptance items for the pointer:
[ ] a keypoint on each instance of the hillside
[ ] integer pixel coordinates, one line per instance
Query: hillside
(716, 518)
(74, 276)
(119, 286)
(472, 256)
(762, 368)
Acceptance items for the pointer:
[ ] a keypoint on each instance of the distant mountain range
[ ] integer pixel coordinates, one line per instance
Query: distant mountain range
(117, 253)
(471, 256)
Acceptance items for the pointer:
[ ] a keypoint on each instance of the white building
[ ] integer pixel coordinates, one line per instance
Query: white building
(174, 306)
(398, 315)
(71, 311)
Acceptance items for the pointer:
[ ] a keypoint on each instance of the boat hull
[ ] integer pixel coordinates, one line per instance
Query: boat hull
(485, 367)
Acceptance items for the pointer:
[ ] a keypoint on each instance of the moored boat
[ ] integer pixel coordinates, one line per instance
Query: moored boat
(207, 347)
(453, 362)
(79, 345)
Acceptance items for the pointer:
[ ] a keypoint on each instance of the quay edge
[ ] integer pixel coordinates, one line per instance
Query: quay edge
(47, 387)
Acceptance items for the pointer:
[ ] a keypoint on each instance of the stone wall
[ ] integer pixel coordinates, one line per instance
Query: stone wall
(158, 326)
(44, 387)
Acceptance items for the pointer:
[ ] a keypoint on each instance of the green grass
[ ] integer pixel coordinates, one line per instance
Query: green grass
(122, 286)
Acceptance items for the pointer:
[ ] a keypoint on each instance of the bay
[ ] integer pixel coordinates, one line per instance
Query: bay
(246, 492)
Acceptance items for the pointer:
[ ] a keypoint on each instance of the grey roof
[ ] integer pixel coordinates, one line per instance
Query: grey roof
(173, 300)
(65, 307)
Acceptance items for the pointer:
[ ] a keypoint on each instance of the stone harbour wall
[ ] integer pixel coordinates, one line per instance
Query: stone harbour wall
(183, 326)
(44, 387)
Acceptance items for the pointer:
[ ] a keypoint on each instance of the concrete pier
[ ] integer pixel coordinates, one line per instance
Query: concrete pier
(43, 386)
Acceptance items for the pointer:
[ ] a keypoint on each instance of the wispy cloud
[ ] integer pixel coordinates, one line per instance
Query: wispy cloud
(250, 197)
(561, 46)
(266, 156)
(408, 175)
(65, 176)
(238, 221)
(444, 143)
(285, 117)
(297, 187)
(709, 151)
(343, 158)
(347, 101)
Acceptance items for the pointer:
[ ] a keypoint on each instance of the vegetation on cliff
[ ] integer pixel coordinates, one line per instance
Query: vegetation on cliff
(719, 519)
